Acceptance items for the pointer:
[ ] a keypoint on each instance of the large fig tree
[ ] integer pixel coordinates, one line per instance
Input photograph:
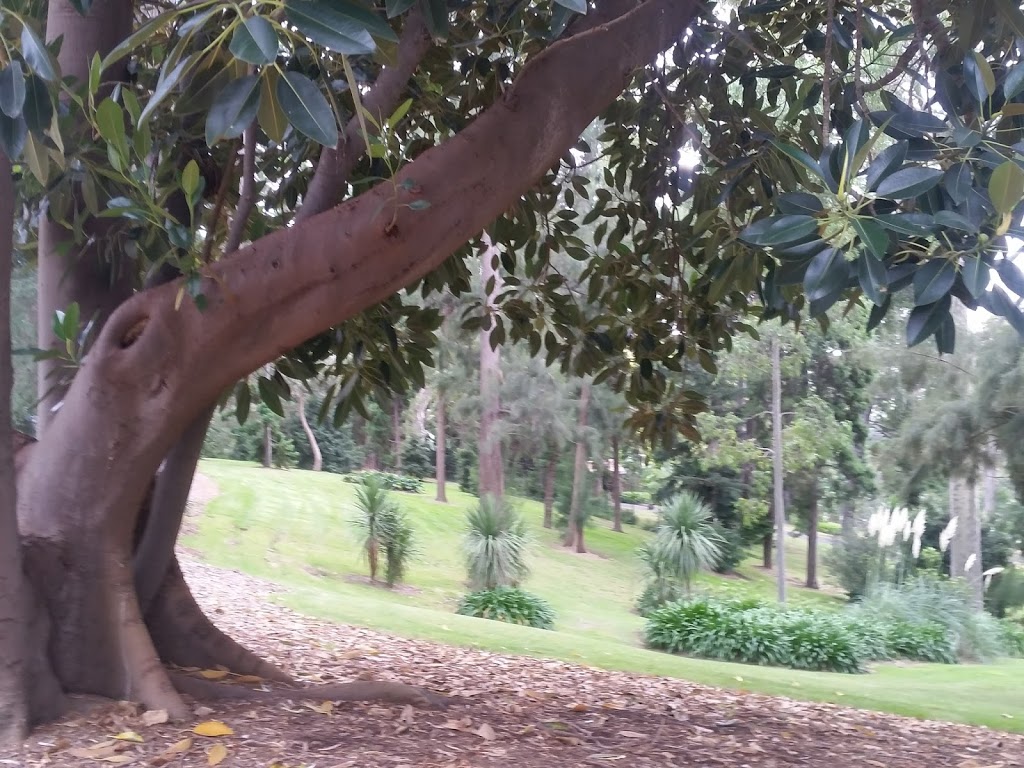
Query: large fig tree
(214, 189)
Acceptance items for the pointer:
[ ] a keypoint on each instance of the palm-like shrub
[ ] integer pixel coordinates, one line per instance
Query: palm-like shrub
(494, 546)
(399, 545)
(685, 542)
(384, 530)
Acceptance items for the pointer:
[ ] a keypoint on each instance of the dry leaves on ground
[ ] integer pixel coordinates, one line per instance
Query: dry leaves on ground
(506, 710)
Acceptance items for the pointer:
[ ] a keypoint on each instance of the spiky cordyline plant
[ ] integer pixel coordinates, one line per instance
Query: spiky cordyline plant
(495, 545)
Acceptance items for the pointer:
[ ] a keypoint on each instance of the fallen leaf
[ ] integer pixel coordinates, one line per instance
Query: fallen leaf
(118, 759)
(457, 725)
(324, 708)
(632, 735)
(485, 732)
(212, 728)
(408, 714)
(353, 654)
(181, 746)
(214, 674)
(581, 707)
(155, 717)
(248, 679)
(130, 736)
(215, 755)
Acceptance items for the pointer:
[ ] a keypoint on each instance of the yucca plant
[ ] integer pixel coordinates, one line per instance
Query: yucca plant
(494, 545)
(685, 541)
(399, 546)
(373, 522)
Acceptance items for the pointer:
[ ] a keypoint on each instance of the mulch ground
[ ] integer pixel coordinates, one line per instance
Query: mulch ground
(507, 711)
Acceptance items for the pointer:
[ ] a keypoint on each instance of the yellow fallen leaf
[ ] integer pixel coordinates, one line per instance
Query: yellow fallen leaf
(155, 717)
(485, 732)
(130, 736)
(118, 759)
(180, 746)
(249, 679)
(212, 728)
(215, 755)
(324, 708)
(214, 674)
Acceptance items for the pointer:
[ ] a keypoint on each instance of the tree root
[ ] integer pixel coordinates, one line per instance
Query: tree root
(360, 690)
(183, 635)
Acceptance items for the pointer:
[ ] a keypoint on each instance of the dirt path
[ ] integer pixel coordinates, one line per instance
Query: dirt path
(509, 711)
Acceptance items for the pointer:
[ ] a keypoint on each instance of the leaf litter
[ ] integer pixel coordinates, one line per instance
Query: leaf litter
(505, 709)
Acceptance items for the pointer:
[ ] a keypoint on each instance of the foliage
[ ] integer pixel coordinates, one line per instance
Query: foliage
(399, 545)
(640, 498)
(1012, 637)
(495, 545)
(657, 592)
(1006, 592)
(829, 528)
(731, 548)
(417, 458)
(508, 604)
(384, 529)
(386, 480)
(685, 541)
(854, 563)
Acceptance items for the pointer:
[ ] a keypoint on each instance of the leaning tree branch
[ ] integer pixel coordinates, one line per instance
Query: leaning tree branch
(335, 165)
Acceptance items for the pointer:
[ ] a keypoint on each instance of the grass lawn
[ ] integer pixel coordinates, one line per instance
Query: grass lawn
(291, 527)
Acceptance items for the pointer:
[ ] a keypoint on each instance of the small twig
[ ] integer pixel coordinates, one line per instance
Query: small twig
(247, 191)
(899, 68)
(218, 208)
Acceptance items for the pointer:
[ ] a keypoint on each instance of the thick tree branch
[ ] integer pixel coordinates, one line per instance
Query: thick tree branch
(327, 188)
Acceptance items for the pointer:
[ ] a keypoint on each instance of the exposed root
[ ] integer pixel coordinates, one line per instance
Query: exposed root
(360, 690)
(184, 636)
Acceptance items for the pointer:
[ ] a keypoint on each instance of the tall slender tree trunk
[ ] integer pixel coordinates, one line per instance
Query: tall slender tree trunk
(958, 542)
(14, 679)
(616, 487)
(812, 539)
(268, 445)
(314, 446)
(965, 553)
(574, 533)
(441, 447)
(396, 432)
(491, 474)
(550, 473)
(767, 544)
(778, 491)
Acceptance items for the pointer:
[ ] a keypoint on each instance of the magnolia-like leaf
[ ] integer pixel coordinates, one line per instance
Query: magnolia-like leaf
(37, 159)
(13, 131)
(976, 275)
(933, 280)
(954, 220)
(978, 76)
(888, 160)
(35, 53)
(873, 278)
(1013, 83)
(190, 179)
(873, 235)
(827, 273)
(233, 110)
(255, 41)
(12, 89)
(913, 125)
(909, 182)
(957, 181)
(323, 24)
(397, 7)
(166, 82)
(1011, 276)
(271, 116)
(779, 229)
(110, 123)
(212, 728)
(576, 6)
(38, 107)
(800, 157)
(925, 320)
(912, 224)
(435, 12)
(945, 336)
(307, 109)
(1006, 186)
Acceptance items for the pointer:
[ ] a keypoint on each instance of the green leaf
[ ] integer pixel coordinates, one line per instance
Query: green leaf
(779, 229)
(110, 123)
(71, 318)
(38, 108)
(1011, 276)
(976, 275)
(243, 399)
(978, 76)
(399, 113)
(914, 125)
(933, 280)
(269, 395)
(139, 36)
(37, 159)
(95, 73)
(397, 7)
(327, 26)
(827, 273)
(957, 181)
(888, 160)
(873, 278)
(908, 182)
(12, 89)
(307, 109)
(255, 41)
(13, 131)
(945, 336)
(165, 83)
(270, 115)
(954, 220)
(190, 179)
(35, 53)
(912, 224)
(1006, 186)
(435, 12)
(233, 110)
(926, 320)
(800, 157)
(873, 235)
(370, 20)
(576, 6)
(1013, 83)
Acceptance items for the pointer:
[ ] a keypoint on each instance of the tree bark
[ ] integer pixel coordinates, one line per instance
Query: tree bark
(965, 553)
(812, 539)
(767, 543)
(574, 533)
(616, 487)
(550, 473)
(268, 445)
(491, 474)
(846, 520)
(441, 447)
(778, 493)
(314, 446)
(82, 488)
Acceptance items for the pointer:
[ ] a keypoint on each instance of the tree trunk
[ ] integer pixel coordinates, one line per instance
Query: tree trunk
(396, 432)
(778, 491)
(812, 539)
(441, 447)
(616, 487)
(268, 445)
(491, 463)
(82, 489)
(846, 520)
(957, 543)
(314, 446)
(550, 474)
(965, 553)
(574, 533)
(767, 543)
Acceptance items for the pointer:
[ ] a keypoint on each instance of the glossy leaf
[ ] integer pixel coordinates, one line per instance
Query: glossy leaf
(435, 12)
(873, 236)
(307, 109)
(1011, 276)
(912, 224)
(110, 123)
(12, 89)
(933, 280)
(38, 107)
(945, 336)
(36, 55)
(978, 76)
(873, 278)
(1013, 83)
(233, 110)
(925, 320)
(954, 220)
(270, 115)
(976, 275)
(801, 203)
(908, 182)
(957, 181)
(13, 131)
(827, 273)
(1006, 186)
(576, 6)
(398, 7)
(255, 41)
(37, 159)
(165, 84)
(777, 230)
(888, 160)
(324, 24)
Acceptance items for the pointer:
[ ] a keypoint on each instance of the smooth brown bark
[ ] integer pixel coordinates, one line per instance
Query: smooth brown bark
(268, 445)
(490, 460)
(314, 446)
(778, 496)
(550, 473)
(766, 550)
(812, 539)
(440, 447)
(616, 487)
(574, 535)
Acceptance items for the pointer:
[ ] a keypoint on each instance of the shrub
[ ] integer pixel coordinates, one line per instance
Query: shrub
(635, 497)
(605, 511)
(732, 550)
(495, 545)
(387, 480)
(1013, 637)
(658, 592)
(1006, 592)
(385, 530)
(685, 541)
(830, 528)
(853, 562)
(509, 604)
(399, 545)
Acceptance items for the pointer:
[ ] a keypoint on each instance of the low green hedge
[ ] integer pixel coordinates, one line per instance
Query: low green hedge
(388, 480)
(509, 604)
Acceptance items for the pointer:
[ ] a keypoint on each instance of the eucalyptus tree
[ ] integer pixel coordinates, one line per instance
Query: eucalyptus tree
(229, 186)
